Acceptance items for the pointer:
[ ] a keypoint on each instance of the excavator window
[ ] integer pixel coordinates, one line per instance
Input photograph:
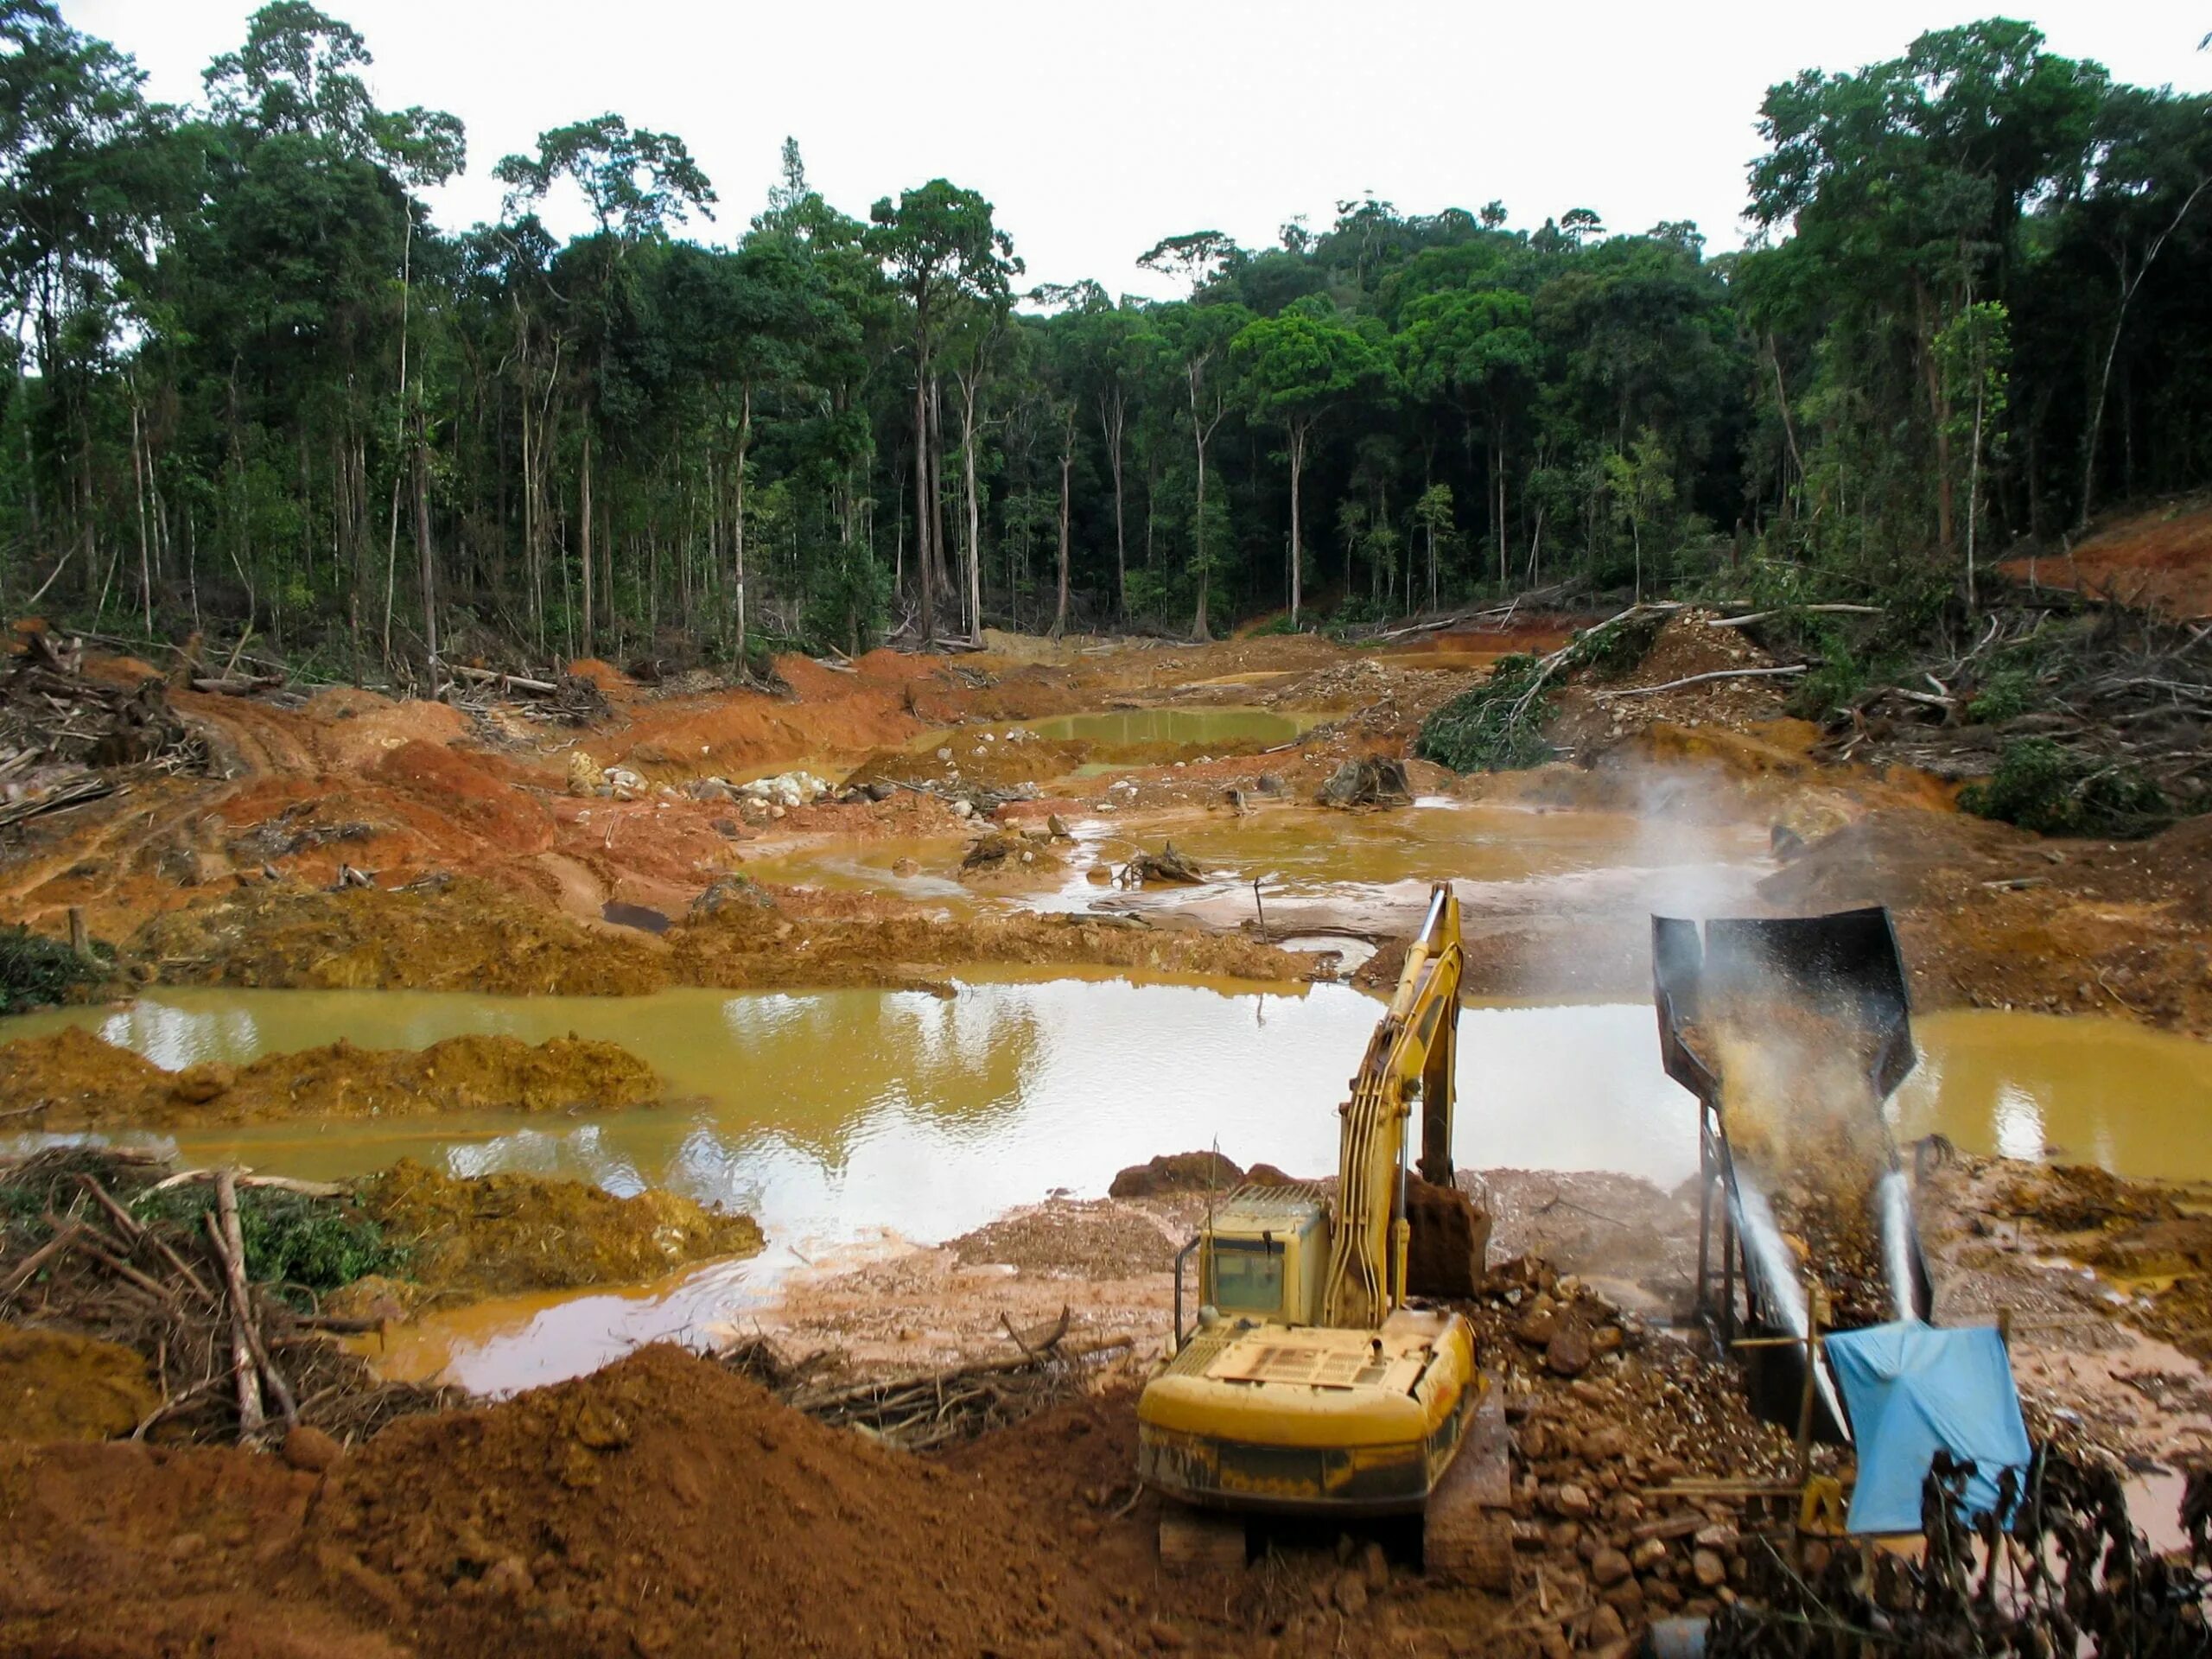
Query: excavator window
(1247, 1275)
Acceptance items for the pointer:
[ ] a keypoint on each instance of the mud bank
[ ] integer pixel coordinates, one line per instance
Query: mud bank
(741, 934)
(74, 1080)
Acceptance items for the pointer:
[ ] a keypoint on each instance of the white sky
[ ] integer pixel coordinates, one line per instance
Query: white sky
(1098, 129)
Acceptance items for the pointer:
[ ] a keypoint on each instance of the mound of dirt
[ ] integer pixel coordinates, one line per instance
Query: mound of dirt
(73, 1080)
(1177, 1171)
(979, 760)
(2160, 559)
(1594, 713)
(1103, 1239)
(465, 934)
(59, 1387)
(666, 1505)
(499, 1233)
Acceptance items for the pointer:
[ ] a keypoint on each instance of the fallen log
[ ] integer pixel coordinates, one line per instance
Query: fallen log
(1810, 610)
(1699, 679)
(506, 681)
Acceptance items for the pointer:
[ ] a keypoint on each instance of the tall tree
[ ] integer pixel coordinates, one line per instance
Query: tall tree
(940, 249)
(1297, 368)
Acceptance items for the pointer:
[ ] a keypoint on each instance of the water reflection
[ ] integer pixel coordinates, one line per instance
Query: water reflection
(830, 1114)
(2070, 1089)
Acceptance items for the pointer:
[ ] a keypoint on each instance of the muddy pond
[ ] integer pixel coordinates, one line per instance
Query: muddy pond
(1320, 869)
(846, 1119)
(832, 1113)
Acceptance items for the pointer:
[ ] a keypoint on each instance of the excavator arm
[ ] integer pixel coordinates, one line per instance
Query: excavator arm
(1409, 1060)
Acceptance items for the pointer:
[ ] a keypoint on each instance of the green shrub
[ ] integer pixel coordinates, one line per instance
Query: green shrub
(290, 1238)
(2041, 786)
(36, 972)
(1477, 731)
(2007, 694)
(1492, 728)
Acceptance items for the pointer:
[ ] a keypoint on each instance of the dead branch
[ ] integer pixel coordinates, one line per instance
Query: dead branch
(1698, 679)
(230, 1248)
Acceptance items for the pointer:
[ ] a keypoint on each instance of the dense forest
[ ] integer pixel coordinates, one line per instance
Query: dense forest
(253, 386)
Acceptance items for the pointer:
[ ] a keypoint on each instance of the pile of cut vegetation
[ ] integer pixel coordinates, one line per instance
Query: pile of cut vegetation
(183, 1305)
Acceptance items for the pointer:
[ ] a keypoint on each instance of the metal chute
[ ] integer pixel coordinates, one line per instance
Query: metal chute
(1847, 967)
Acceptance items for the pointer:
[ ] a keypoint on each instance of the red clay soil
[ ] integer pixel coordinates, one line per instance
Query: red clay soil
(2160, 559)
(1989, 916)
(664, 1506)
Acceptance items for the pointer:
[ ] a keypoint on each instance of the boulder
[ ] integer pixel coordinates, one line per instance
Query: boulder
(209, 1080)
(1370, 780)
(1177, 1171)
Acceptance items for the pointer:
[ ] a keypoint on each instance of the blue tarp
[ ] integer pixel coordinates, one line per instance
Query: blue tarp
(1911, 1388)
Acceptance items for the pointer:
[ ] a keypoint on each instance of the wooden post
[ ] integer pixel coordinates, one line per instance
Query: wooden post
(2005, 1326)
(1704, 1207)
(1813, 1310)
(1260, 906)
(80, 938)
(231, 1247)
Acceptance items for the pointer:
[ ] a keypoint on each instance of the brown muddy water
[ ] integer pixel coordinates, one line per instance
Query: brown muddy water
(1319, 869)
(843, 1118)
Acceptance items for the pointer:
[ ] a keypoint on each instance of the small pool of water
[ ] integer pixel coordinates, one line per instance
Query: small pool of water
(1323, 869)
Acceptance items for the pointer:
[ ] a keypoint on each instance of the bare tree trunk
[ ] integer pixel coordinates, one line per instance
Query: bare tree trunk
(925, 488)
(970, 390)
(428, 565)
(737, 511)
(1112, 413)
(584, 523)
(1067, 466)
(2128, 287)
(138, 485)
(1298, 434)
(940, 571)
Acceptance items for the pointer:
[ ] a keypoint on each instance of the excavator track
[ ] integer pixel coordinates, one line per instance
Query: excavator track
(1467, 1528)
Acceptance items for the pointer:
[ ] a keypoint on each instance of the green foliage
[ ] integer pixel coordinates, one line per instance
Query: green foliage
(291, 1239)
(2041, 785)
(2006, 693)
(36, 972)
(236, 331)
(1498, 725)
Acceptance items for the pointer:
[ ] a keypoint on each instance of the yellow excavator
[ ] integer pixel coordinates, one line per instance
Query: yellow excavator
(1310, 1383)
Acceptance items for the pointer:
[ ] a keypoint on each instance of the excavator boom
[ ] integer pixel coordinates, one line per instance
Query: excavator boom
(1409, 1059)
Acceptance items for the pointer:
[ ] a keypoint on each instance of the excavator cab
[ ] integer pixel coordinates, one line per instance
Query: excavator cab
(1263, 1253)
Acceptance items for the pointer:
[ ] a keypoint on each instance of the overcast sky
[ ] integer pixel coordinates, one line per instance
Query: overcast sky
(1097, 129)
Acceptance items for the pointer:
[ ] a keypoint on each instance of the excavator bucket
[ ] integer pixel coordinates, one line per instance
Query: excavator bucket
(1846, 968)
